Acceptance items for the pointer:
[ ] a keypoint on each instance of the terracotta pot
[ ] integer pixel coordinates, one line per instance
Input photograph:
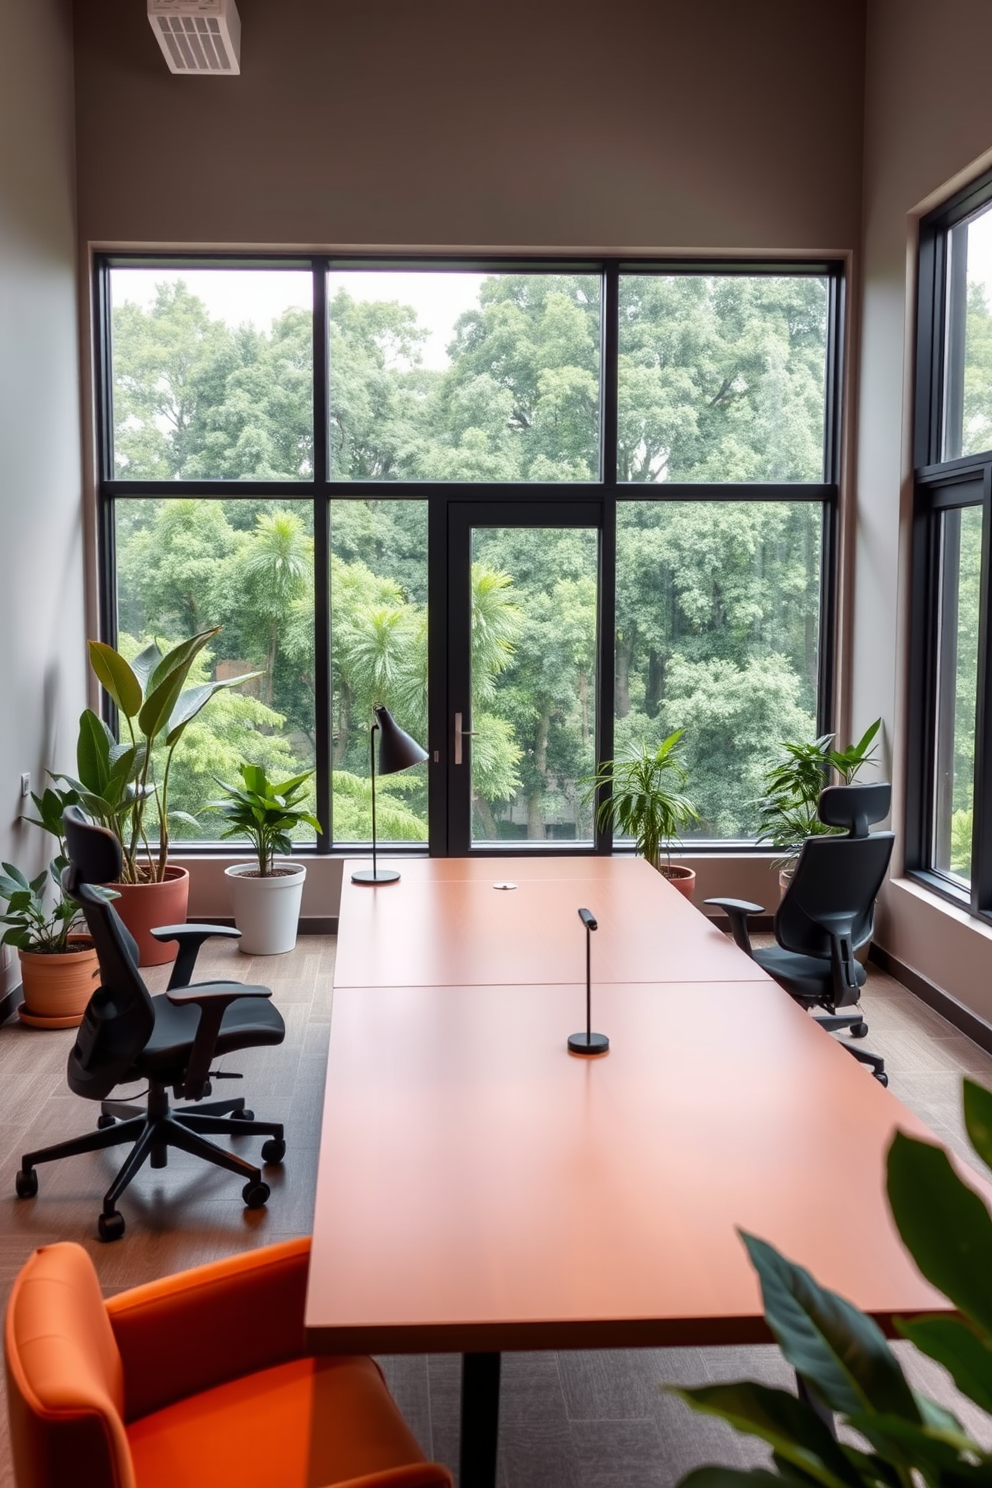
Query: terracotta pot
(683, 879)
(144, 907)
(58, 987)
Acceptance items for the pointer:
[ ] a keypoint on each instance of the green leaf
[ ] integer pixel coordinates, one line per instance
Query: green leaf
(908, 1445)
(839, 1351)
(735, 1477)
(116, 677)
(963, 1354)
(180, 658)
(944, 1225)
(16, 875)
(145, 663)
(978, 1118)
(158, 706)
(795, 1431)
(93, 752)
(195, 698)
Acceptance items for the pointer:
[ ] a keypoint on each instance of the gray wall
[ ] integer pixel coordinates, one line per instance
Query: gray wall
(42, 655)
(928, 128)
(448, 123)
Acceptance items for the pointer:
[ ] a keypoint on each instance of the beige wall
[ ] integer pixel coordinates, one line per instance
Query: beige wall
(928, 126)
(448, 123)
(41, 602)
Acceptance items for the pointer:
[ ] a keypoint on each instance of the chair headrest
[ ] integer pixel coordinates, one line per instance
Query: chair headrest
(94, 851)
(855, 807)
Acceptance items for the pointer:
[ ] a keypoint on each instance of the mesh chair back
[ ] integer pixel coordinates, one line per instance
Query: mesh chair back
(833, 889)
(119, 1017)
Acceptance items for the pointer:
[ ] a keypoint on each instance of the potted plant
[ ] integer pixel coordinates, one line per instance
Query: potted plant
(57, 958)
(267, 894)
(787, 813)
(644, 800)
(124, 784)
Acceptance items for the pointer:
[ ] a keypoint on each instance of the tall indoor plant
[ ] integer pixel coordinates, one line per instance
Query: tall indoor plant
(641, 796)
(266, 894)
(124, 784)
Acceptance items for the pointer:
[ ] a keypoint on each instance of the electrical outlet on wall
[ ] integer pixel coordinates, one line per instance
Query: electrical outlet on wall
(26, 783)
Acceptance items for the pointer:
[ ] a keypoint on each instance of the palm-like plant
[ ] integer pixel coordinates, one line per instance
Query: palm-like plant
(265, 813)
(788, 812)
(641, 796)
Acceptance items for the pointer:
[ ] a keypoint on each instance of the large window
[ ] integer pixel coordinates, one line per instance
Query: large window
(949, 830)
(545, 512)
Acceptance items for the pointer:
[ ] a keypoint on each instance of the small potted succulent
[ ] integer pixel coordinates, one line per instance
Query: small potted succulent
(266, 893)
(57, 958)
(645, 801)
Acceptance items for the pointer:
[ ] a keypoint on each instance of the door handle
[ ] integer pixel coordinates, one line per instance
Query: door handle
(461, 734)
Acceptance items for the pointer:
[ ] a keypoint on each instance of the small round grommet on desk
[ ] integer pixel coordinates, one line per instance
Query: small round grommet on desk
(588, 1043)
(504, 886)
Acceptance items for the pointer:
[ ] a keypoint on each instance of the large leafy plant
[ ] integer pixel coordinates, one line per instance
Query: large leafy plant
(846, 1365)
(265, 812)
(787, 813)
(34, 922)
(641, 797)
(118, 782)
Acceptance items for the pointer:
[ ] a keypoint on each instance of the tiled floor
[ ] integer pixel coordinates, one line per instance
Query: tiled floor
(569, 1420)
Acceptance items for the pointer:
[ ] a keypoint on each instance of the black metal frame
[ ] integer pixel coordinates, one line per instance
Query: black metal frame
(572, 501)
(942, 485)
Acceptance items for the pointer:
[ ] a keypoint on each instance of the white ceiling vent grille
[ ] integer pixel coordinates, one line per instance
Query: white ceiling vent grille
(201, 36)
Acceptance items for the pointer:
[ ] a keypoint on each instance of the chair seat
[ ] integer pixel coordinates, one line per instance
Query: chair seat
(306, 1424)
(807, 978)
(247, 1024)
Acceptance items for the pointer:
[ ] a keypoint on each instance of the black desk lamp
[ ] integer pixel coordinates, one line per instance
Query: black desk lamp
(397, 751)
(588, 1042)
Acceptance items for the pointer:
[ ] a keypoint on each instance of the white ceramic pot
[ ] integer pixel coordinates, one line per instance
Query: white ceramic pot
(266, 910)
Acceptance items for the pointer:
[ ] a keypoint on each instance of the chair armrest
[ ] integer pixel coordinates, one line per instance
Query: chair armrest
(737, 911)
(190, 938)
(213, 1000)
(183, 1334)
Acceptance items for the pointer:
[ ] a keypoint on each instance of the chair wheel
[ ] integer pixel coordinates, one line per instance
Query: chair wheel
(858, 1030)
(110, 1226)
(255, 1195)
(26, 1183)
(243, 1115)
(274, 1150)
(102, 1122)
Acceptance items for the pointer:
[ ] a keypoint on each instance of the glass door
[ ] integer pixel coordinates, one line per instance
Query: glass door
(523, 687)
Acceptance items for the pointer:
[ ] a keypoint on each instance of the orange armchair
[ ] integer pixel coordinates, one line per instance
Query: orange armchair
(199, 1379)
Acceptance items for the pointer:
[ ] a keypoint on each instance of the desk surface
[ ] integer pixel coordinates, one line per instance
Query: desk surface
(481, 1189)
(445, 924)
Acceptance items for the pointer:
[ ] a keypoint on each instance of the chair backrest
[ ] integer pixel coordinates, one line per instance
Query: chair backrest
(119, 1017)
(65, 1380)
(837, 879)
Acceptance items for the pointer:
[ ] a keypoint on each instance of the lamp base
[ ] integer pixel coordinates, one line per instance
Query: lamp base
(588, 1043)
(384, 875)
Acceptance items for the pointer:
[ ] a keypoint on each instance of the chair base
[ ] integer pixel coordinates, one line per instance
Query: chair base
(857, 1028)
(153, 1130)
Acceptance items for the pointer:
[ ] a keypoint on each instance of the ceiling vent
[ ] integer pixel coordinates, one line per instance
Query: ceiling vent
(201, 36)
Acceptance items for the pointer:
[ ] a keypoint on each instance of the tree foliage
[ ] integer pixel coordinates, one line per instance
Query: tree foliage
(721, 378)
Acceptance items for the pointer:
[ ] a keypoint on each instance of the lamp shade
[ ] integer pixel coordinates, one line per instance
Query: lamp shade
(397, 751)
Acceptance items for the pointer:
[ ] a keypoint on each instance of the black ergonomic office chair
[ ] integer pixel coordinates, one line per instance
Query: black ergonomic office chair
(827, 912)
(170, 1040)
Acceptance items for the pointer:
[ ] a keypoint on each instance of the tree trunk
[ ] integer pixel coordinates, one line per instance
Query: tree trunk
(622, 688)
(656, 683)
(535, 816)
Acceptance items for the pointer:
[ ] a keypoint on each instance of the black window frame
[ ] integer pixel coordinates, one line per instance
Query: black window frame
(940, 485)
(606, 491)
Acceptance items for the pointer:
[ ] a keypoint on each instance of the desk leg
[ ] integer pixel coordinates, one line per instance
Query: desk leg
(825, 1415)
(480, 1420)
